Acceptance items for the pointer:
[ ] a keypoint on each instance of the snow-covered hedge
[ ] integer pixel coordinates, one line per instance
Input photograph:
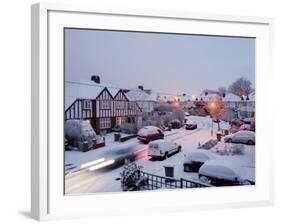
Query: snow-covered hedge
(78, 130)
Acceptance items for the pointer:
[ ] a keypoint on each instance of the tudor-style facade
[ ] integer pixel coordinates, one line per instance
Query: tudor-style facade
(105, 111)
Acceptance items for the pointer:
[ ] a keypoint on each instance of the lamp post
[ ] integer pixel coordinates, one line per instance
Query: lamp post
(212, 106)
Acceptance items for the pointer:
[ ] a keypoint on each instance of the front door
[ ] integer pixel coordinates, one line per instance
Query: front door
(118, 121)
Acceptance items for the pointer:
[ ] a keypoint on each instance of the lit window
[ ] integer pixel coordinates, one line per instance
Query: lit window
(120, 105)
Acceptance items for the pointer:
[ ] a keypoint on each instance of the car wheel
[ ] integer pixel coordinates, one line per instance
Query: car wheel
(250, 142)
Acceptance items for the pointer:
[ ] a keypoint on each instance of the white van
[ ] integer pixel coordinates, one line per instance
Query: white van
(163, 148)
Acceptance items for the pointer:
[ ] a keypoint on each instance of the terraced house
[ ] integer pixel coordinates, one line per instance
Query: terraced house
(104, 107)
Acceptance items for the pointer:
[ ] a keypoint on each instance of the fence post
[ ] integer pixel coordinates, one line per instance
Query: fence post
(181, 182)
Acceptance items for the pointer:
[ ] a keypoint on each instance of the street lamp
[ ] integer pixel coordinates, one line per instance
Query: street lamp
(212, 106)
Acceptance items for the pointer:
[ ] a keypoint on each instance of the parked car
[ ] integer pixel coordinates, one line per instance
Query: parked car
(246, 137)
(249, 120)
(175, 124)
(163, 148)
(195, 159)
(220, 172)
(246, 127)
(187, 114)
(190, 125)
(149, 133)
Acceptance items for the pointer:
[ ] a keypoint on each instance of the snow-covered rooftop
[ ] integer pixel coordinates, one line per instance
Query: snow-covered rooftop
(230, 97)
(185, 98)
(210, 97)
(85, 90)
(139, 95)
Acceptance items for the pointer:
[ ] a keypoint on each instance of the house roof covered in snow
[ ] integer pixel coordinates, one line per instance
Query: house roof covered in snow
(185, 98)
(250, 97)
(210, 97)
(230, 97)
(85, 90)
(139, 95)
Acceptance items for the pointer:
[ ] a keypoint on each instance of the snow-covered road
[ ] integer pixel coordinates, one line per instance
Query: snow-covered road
(85, 181)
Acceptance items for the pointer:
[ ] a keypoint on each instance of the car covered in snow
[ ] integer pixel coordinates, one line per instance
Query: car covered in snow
(194, 159)
(248, 120)
(221, 172)
(190, 125)
(175, 124)
(163, 148)
(150, 133)
(246, 137)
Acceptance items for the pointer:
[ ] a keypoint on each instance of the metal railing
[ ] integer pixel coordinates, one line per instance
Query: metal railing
(154, 182)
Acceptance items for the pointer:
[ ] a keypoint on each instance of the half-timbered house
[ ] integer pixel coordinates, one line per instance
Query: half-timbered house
(103, 107)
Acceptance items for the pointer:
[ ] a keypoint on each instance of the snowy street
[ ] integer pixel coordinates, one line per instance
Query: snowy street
(79, 179)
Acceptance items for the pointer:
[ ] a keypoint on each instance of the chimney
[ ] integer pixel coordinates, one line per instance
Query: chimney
(140, 87)
(95, 78)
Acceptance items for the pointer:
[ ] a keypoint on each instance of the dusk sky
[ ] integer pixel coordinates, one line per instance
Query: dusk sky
(166, 63)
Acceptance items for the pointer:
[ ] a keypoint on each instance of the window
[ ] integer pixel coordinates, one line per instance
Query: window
(105, 123)
(87, 104)
(105, 104)
(120, 105)
(131, 106)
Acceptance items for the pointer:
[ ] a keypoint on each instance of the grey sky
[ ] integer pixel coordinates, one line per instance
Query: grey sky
(162, 62)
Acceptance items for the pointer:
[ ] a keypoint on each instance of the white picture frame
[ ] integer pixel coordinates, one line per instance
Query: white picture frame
(48, 200)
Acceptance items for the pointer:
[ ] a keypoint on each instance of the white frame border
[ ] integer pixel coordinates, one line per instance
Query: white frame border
(40, 82)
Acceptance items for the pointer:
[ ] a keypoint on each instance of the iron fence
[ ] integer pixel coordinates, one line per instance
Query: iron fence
(154, 182)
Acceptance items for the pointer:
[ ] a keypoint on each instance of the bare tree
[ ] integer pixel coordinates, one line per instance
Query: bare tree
(241, 87)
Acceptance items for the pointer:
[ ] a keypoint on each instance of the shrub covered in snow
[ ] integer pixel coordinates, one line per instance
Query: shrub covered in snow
(78, 131)
(209, 144)
(130, 176)
(168, 114)
(232, 149)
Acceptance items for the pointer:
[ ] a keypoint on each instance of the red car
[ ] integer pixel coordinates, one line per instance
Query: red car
(149, 133)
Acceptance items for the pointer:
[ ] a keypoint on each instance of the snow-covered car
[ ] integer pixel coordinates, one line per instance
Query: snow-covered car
(221, 172)
(249, 120)
(246, 137)
(163, 148)
(195, 159)
(175, 124)
(150, 133)
(190, 125)
(245, 127)
(186, 114)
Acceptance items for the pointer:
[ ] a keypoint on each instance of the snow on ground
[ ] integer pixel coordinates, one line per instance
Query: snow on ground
(85, 181)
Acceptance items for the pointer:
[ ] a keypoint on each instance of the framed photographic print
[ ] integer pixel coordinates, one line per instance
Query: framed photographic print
(163, 110)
